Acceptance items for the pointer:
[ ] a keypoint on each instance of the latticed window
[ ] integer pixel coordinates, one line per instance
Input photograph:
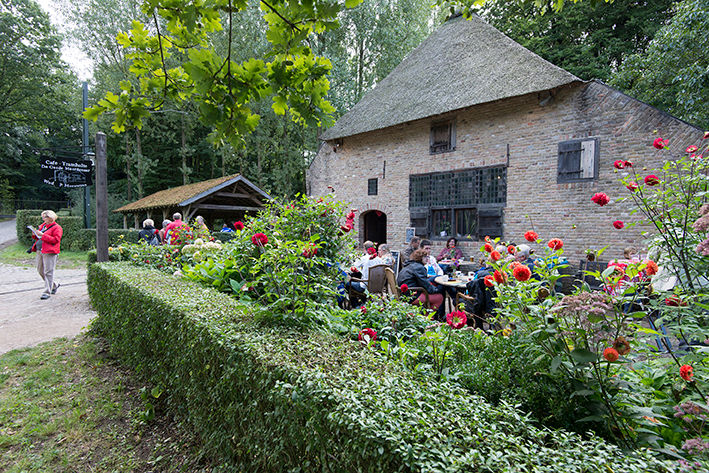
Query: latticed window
(578, 160)
(467, 203)
(442, 137)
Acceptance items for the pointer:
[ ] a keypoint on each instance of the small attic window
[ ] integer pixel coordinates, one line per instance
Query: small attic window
(442, 137)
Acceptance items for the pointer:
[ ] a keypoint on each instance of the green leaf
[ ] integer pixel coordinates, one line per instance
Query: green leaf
(581, 355)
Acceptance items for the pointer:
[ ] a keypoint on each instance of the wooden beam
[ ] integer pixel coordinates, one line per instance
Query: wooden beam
(227, 207)
(233, 194)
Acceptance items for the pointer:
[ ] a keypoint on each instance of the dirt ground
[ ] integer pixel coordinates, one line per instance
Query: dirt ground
(26, 320)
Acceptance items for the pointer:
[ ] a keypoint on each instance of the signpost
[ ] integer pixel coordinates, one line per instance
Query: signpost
(66, 172)
(101, 199)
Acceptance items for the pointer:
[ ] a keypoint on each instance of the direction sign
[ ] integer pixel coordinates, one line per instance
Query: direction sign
(66, 172)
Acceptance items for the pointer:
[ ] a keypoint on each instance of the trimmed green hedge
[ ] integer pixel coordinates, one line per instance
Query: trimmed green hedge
(268, 400)
(75, 236)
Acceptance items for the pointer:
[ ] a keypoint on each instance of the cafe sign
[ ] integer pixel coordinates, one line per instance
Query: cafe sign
(66, 172)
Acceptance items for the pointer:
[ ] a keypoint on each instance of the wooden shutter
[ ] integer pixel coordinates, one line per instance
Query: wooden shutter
(588, 159)
(490, 222)
(569, 164)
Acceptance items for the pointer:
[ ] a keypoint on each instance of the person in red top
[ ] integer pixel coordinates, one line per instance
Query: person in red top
(173, 227)
(47, 238)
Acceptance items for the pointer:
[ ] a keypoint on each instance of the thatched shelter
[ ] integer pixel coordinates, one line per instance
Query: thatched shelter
(228, 198)
(478, 64)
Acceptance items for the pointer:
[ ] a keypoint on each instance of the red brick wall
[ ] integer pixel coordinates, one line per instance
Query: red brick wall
(624, 126)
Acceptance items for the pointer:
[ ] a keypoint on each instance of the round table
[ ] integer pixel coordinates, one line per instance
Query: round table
(458, 282)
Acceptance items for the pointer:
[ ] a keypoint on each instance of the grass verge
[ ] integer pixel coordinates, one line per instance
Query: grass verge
(17, 255)
(66, 407)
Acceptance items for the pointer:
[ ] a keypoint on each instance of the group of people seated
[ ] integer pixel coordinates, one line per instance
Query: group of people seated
(171, 230)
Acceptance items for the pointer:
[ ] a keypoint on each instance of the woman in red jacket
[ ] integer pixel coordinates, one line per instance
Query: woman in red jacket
(47, 239)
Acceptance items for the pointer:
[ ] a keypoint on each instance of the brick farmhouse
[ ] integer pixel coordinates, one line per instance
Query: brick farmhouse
(474, 135)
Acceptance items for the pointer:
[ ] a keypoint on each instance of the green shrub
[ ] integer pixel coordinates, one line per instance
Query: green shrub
(267, 399)
(75, 237)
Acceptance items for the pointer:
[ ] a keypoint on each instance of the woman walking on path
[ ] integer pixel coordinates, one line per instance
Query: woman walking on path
(47, 239)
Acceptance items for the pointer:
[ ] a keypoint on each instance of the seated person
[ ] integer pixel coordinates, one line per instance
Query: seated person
(524, 256)
(414, 275)
(385, 255)
(361, 268)
(432, 267)
(226, 229)
(413, 246)
(450, 253)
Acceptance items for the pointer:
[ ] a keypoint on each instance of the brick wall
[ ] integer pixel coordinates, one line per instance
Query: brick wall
(624, 126)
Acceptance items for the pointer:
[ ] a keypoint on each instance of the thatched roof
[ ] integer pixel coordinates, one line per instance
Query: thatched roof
(463, 63)
(185, 195)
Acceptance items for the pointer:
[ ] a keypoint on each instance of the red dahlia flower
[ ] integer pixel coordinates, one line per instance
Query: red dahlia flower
(628, 164)
(367, 335)
(489, 281)
(259, 239)
(652, 180)
(531, 236)
(495, 255)
(457, 319)
(632, 186)
(675, 301)
(622, 346)
(611, 354)
(344, 229)
(555, 244)
(659, 143)
(651, 267)
(522, 273)
(404, 288)
(310, 251)
(488, 247)
(371, 250)
(618, 224)
(686, 372)
(619, 164)
(499, 277)
(600, 198)
(511, 249)
(239, 225)
(691, 149)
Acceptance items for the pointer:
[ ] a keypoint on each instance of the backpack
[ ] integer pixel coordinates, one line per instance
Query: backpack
(154, 241)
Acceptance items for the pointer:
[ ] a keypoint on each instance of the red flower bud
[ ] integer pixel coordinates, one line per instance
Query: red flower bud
(691, 149)
(619, 164)
(495, 255)
(628, 164)
(555, 244)
(632, 186)
(618, 224)
(489, 281)
(511, 249)
(499, 277)
(488, 247)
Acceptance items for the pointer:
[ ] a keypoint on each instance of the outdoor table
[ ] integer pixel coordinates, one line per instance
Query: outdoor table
(459, 283)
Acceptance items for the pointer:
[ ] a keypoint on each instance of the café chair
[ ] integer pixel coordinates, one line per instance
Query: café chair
(376, 284)
(466, 303)
(395, 290)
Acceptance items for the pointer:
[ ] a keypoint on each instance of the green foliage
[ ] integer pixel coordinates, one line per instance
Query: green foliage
(673, 72)
(314, 402)
(588, 39)
(175, 60)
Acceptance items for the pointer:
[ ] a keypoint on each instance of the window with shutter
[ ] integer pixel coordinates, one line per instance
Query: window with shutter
(577, 160)
(442, 137)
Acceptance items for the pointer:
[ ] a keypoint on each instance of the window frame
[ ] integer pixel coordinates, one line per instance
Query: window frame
(375, 181)
(434, 148)
(422, 207)
(562, 177)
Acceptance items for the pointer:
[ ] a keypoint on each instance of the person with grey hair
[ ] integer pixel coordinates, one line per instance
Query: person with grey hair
(47, 239)
(163, 231)
(385, 255)
(175, 226)
(149, 234)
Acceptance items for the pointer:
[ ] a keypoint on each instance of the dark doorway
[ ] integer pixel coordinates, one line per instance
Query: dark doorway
(375, 226)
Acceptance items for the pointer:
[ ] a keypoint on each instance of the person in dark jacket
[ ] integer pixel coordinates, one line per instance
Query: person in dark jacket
(149, 234)
(414, 275)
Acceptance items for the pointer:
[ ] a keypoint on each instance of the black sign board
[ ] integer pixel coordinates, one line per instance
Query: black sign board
(66, 172)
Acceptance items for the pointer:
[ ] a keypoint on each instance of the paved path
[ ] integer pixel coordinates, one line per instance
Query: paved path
(26, 320)
(8, 234)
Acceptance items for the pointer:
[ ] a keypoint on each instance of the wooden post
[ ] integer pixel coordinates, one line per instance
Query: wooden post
(125, 221)
(101, 199)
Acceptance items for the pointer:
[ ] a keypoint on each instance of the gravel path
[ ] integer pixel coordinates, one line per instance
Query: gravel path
(25, 319)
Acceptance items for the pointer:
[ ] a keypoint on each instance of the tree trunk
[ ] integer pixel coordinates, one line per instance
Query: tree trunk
(129, 174)
(185, 177)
